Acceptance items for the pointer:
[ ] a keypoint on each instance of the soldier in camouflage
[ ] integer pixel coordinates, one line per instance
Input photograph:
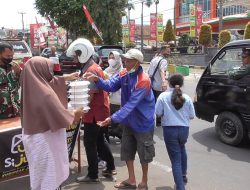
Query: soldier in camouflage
(245, 68)
(9, 82)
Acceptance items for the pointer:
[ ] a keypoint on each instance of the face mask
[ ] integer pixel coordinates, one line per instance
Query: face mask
(133, 69)
(7, 61)
(112, 62)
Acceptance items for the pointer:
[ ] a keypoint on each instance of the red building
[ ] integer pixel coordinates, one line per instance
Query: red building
(236, 14)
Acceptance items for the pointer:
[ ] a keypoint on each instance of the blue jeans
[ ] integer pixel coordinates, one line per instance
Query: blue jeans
(175, 138)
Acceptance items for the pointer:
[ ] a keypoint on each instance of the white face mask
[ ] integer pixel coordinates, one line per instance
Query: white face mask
(133, 69)
(112, 62)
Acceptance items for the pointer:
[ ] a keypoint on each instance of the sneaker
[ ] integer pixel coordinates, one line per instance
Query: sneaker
(87, 179)
(108, 173)
(185, 179)
(102, 164)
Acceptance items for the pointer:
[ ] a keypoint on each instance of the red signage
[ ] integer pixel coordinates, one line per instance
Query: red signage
(153, 26)
(132, 30)
(36, 36)
(199, 18)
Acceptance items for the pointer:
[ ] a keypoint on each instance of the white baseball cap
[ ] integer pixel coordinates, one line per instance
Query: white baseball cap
(134, 54)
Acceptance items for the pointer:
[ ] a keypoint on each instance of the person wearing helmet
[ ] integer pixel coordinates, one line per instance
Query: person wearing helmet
(93, 138)
(136, 114)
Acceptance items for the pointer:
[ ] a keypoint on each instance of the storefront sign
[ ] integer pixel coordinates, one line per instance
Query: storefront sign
(160, 28)
(192, 15)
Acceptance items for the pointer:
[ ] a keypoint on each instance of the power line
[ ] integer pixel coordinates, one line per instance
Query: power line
(158, 12)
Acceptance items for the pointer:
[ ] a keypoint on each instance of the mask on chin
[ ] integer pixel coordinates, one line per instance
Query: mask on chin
(133, 69)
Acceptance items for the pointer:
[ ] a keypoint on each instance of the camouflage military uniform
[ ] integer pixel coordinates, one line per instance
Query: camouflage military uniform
(9, 97)
(240, 73)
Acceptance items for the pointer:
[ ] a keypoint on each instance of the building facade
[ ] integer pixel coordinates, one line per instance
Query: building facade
(236, 14)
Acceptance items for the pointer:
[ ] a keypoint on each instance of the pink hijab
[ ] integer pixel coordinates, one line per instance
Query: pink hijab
(43, 98)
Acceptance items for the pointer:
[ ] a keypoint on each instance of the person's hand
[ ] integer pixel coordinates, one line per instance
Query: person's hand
(104, 123)
(90, 77)
(78, 114)
(72, 76)
(16, 68)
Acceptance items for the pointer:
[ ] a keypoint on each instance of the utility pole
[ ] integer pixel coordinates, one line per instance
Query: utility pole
(221, 2)
(22, 13)
(142, 26)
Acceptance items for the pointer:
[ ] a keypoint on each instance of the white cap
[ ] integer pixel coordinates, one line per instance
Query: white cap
(134, 54)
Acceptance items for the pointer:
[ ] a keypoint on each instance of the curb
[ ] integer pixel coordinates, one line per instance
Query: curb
(190, 66)
(196, 67)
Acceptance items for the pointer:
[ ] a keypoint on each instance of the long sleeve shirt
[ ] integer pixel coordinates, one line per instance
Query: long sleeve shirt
(137, 99)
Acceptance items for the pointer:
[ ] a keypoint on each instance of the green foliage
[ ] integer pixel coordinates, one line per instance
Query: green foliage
(184, 40)
(224, 38)
(205, 36)
(129, 45)
(69, 15)
(169, 32)
(247, 31)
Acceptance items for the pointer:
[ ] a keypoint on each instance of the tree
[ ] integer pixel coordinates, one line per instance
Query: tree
(247, 31)
(205, 36)
(169, 32)
(224, 38)
(68, 14)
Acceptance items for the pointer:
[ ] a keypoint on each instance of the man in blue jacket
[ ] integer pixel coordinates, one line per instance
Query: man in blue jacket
(136, 114)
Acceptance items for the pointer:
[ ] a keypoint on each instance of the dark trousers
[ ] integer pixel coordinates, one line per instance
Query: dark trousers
(94, 142)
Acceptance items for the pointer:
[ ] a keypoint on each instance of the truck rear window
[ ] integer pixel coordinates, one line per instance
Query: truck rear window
(19, 47)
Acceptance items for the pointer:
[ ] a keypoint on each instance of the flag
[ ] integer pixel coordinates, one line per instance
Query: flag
(40, 35)
(91, 21)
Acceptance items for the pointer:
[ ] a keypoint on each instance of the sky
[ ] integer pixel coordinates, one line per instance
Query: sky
(11, 18)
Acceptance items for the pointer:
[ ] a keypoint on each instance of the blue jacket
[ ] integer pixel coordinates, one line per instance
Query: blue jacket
(137, 99)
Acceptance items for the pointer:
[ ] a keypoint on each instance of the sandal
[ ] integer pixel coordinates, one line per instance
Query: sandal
(125, 185)
(142, 187)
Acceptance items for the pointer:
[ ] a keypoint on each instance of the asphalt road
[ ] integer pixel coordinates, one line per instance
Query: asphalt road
(212, 165)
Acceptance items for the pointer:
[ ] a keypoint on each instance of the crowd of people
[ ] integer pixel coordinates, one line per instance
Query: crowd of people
(121, 95)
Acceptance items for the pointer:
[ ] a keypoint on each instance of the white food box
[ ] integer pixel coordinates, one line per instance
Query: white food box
(79, 95)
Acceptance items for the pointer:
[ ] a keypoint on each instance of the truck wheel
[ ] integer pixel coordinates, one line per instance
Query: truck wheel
(230, 128)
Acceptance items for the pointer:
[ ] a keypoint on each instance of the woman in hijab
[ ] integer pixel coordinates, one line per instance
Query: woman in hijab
(115, 66)
(44, 120)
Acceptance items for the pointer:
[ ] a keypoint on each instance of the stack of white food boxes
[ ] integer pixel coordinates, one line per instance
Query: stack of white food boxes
(79, 95)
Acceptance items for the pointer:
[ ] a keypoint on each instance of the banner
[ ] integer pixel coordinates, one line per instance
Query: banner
(160, 28)
(192, 17)
(153, 27)
(36, 36)
(61, 39)
(13, 162)
(132, 30)
(91, 21)
(125, 33)
(199, 18)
